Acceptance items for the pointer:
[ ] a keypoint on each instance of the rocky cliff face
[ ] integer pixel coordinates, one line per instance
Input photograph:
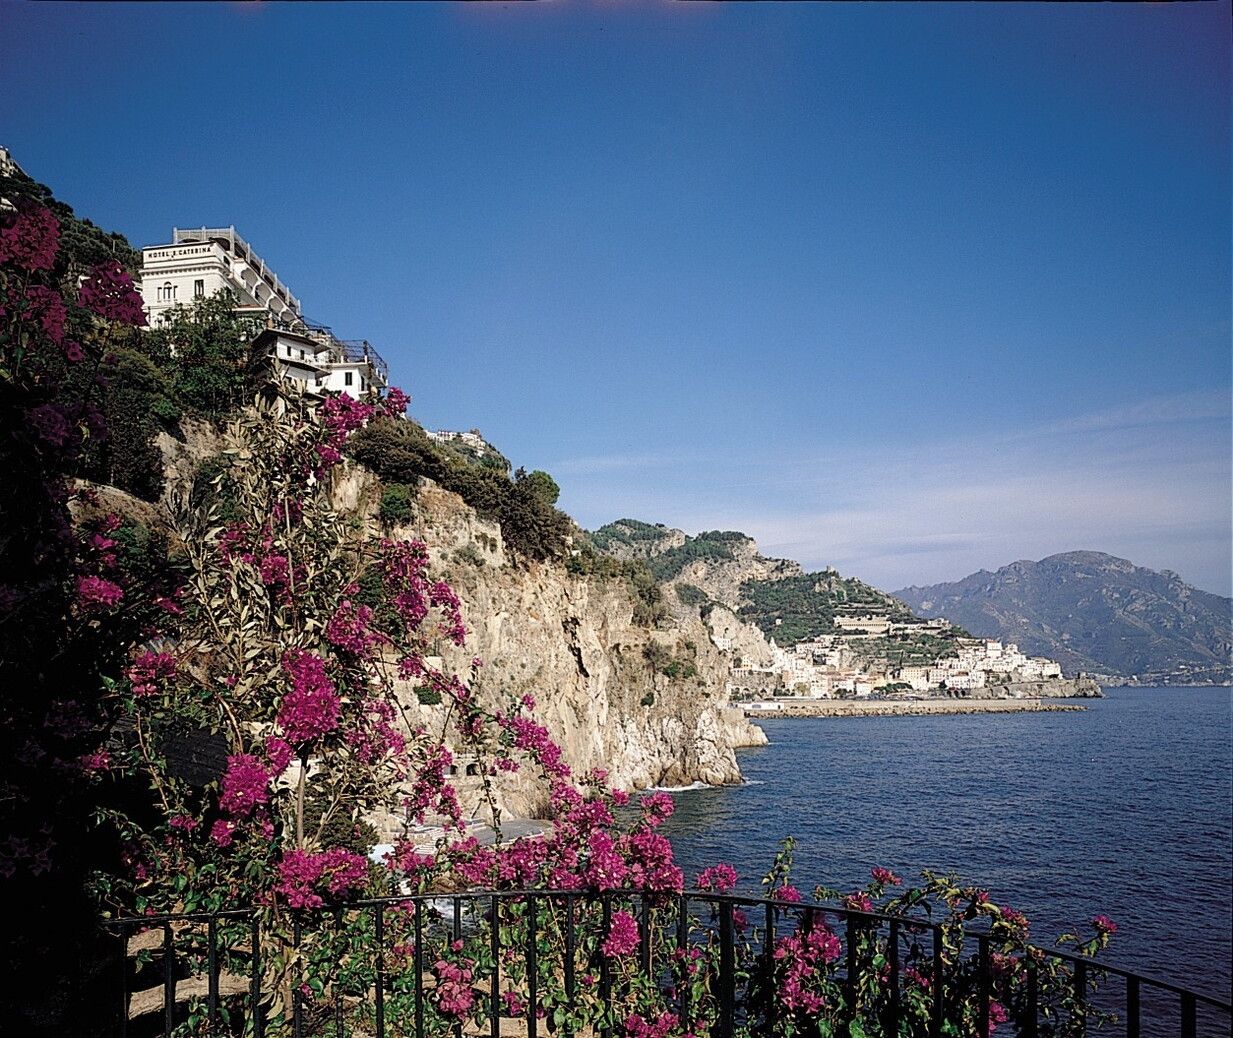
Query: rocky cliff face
(722, 578)
(1093, 613)
(603, 686)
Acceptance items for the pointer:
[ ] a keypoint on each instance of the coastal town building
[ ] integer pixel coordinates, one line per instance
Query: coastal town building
(829, 665)
(202, 262)
(8, 168)
(473, 438)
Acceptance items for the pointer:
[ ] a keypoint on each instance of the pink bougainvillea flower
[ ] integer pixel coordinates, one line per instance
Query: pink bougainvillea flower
(47, 307)
(245, 785)
(311, 709)
(50, 424)
(720, 877)
(622, 936)
(98, 592)
(110, 293)
(31, 241)
(149, 670)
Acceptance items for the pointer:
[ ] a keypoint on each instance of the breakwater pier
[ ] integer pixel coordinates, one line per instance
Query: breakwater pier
(901, 708)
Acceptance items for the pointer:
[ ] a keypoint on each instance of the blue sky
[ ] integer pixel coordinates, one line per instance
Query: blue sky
(906, 289)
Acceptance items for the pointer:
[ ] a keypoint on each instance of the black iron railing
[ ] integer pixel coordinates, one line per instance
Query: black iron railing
(380, 968)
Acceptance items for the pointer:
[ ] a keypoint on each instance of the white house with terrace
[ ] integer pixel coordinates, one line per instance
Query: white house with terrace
(202, 262)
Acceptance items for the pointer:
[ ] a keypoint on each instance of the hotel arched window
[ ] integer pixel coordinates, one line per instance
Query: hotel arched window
(199, 289)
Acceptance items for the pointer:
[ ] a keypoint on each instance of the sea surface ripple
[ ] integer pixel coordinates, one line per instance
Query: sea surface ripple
(1125, 809)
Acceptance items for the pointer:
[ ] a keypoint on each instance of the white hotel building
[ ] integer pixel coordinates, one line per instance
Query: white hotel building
(203, 261)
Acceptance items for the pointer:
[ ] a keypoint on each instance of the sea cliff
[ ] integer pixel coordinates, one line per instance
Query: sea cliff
(570, 642)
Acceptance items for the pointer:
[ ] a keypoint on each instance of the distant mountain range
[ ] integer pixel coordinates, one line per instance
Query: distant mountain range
(1094, 613)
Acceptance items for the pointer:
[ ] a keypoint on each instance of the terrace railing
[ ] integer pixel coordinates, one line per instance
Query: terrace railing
(536, 962)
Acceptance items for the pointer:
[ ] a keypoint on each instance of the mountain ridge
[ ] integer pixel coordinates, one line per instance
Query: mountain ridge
(1095, 613)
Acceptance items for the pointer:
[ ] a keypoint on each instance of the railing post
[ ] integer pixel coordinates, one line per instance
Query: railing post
(532, 971)
(419, 966)
(255, 977)
(169, 979)
(338, 1006)
(123, 934)
(1132, 1007)
(1080, 997)
(850, 937)
(494, 1024)
(768, 955)
(1033, 997)
(457, 933)
(1188, 1015)
(892, 954)
(727, 971)
(682, 943)
(982, 944)
(379, 931)
(644, 949)
(297, 1007)
(939, 996)
(570, 953)
(212, 970)
(605, 974)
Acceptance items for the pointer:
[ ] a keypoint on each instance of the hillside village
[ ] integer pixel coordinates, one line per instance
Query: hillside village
(835, 664)
(792, 635)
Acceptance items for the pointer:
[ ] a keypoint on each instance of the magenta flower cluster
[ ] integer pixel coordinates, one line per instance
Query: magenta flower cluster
(246, 785)
(310, 710)
(454, 994)
(637, 1026)
(148, 672)
(622, 936)
(305, 878)
(98, 593)
(802, 954)
(350, 629)
(31, 241)
(884, 876)
(719, 877)
(110, 293)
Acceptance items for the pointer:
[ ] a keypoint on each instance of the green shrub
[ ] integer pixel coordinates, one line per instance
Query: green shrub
(211, 482)
(648, 699)
(396, 502)
(656, 655)
(467, 554)
(207, 349)
(690, 594)
(399, 451)
(427, 696)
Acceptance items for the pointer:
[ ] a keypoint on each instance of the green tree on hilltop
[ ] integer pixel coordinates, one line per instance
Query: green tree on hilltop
(206, 350)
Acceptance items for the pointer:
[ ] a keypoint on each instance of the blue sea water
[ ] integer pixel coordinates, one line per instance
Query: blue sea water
(1125, 809)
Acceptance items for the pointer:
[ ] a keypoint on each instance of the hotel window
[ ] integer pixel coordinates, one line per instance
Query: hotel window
(347, 379)
(199, 289)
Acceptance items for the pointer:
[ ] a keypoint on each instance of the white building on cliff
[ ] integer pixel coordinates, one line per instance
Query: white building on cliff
(204, 261)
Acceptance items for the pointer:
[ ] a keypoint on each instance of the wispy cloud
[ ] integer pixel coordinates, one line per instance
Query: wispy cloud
(1150, 482)
(1202, 405)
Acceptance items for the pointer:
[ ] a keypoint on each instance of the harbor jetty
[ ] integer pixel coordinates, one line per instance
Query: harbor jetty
(901, 708)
